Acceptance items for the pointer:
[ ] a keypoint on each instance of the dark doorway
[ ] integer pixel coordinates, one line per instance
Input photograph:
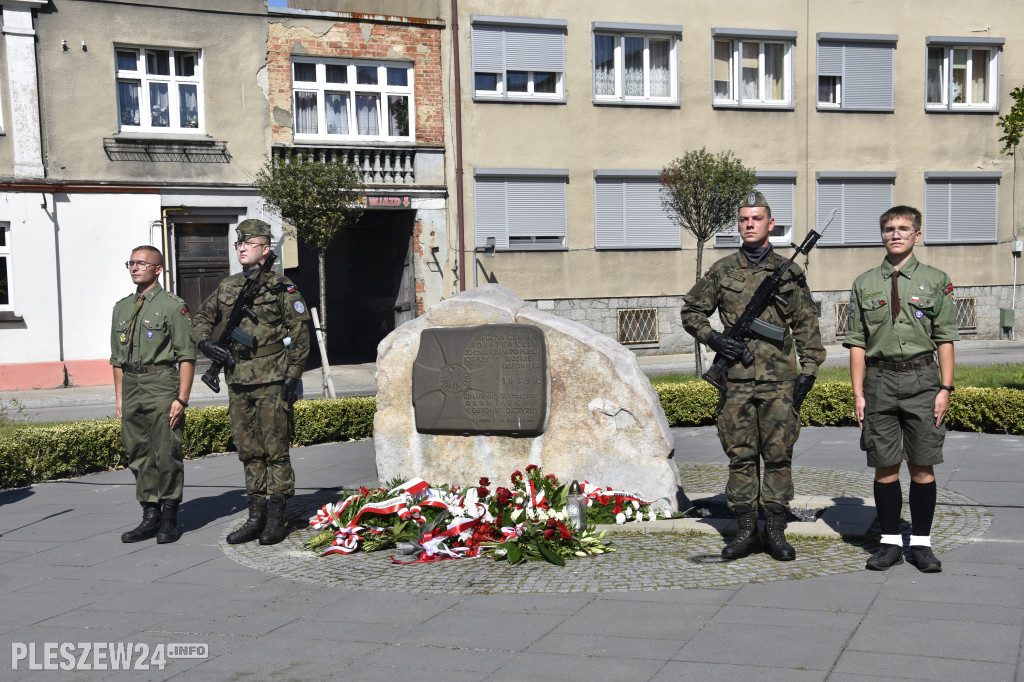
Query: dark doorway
(202, 258)
(369, 284)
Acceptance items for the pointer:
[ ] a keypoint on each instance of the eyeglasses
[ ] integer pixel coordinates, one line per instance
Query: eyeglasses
(140, 264)
(889, 232)
(249, 244)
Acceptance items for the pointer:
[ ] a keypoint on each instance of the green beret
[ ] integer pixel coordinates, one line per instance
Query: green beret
(251, 227)
(753, 200)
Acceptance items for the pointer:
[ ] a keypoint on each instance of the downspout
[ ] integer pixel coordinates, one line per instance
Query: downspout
(459, 199)
(165, 243)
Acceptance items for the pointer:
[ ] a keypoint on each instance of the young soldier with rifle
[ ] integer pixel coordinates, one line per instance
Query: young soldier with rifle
(263, 351)
(765, 306)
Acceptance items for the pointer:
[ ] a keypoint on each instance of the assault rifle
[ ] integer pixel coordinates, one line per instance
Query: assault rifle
(242, 308)
(767, 293)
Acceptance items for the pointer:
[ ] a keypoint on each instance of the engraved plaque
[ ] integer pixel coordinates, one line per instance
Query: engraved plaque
(489, 379)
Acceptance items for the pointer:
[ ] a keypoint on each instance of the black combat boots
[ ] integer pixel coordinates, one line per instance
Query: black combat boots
(148, 527)
(254, 525)
(747, 540)
(169, 529)
(775, 533)
(277, 528)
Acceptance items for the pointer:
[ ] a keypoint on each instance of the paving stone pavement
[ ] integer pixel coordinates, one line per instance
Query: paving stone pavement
(66, 578)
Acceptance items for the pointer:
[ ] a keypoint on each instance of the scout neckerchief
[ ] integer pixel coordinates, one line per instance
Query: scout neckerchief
(131, 322)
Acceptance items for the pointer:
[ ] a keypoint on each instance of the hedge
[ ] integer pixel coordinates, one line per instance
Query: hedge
(76, 448)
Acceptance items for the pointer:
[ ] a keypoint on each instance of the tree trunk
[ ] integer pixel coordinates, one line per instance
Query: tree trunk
(698, 362)
(323, 297)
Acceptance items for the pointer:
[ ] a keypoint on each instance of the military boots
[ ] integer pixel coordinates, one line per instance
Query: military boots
(277, 527)
(775, 533)
(149, 526)
(169, 529)
(254, 525)
(747, 540)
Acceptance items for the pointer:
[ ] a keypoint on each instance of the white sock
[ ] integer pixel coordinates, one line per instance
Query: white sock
(893, 540)
(920, 540)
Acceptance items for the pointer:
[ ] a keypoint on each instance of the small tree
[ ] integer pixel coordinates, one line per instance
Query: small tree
(318, 198)
(702, 191)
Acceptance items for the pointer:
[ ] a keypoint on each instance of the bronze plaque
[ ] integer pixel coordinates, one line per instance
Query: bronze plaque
(491, 379)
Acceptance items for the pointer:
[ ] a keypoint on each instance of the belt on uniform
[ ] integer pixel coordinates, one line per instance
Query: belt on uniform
(906, 366)
(260, 352)
(142, 369)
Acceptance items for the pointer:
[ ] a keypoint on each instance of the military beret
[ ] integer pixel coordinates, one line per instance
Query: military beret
(252, 228)
(753, 200)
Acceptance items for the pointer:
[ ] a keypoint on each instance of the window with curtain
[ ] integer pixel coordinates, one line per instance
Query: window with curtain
(962, 77)
(158, 90)
(753, 70)
(517, 58)
(855, 72)
(352, 99)
(635, 68)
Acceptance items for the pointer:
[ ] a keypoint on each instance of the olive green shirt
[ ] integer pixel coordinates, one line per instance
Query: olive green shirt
(927, 314)
(162, 329)
(728, 286)
(280, 313)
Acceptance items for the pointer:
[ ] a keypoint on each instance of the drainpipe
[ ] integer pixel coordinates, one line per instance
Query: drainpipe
(166, 243)
(458, 147)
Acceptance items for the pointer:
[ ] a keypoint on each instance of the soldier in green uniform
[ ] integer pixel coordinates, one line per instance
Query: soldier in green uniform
(262, 382)
(759, 413)
(901, 313)
(154, 362)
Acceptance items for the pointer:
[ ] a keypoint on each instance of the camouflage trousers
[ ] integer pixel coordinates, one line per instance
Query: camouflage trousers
(261, 426)
(757, 419)
(154, 448)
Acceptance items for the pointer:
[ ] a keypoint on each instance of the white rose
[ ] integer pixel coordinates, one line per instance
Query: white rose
(620, 518)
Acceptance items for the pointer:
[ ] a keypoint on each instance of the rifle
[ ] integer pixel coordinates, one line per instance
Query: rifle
(767, 292)
(241, 308)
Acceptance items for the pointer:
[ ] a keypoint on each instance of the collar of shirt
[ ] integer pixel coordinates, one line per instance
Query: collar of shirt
(908, 268)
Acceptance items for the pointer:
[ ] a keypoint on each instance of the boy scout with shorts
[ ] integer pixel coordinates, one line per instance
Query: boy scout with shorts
(901, 314)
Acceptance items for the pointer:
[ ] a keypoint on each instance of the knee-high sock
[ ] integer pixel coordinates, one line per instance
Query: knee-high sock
(922, 507)
(889, 504)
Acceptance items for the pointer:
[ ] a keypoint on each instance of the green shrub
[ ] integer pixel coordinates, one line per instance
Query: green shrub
(323, 421)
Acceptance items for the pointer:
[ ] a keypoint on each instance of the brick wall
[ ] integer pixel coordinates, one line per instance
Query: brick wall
(364, 40)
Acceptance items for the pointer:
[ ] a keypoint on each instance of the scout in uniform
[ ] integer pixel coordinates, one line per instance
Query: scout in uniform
(262, 382)
(901, 314)
(759, 416)
(154, 362)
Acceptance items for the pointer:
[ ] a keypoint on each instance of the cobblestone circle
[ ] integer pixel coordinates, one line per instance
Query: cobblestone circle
(641, 562)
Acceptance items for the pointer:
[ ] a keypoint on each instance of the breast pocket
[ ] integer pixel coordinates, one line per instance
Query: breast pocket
(267, 310)
(734, 296)
(924, 310)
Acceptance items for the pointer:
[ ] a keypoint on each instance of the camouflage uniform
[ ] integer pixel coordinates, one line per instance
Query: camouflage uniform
(757, 414)
(261, 420)
(898, 420)
(147, 356)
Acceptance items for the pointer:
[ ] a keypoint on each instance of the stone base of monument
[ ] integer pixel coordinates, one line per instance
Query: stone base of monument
(838, 517)
(485, 384)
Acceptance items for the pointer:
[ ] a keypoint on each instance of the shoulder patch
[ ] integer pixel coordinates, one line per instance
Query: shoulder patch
(184, 310)
(299, 308)
(290, 289)
(949, 289)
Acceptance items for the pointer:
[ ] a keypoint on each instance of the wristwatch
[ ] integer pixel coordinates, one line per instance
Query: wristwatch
(947, 388)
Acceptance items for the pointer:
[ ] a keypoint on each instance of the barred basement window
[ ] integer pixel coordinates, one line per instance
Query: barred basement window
(638, 325)
(842, 318)
(965, 317)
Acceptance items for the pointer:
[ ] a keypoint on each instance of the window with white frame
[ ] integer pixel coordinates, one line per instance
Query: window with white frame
(6, 293)
(522, 209)
(517, 58)
(962, 73)
(159, 89)
(778, 189)
(961, 208)
(752, 68)
(636, 63)
(860, 198)
(855, 71)
(352, 99)
(628, 213)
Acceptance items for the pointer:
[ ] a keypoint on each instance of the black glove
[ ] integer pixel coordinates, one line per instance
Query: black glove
(803, 385)
(731, 349)
(216, 352)
(290, 389)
